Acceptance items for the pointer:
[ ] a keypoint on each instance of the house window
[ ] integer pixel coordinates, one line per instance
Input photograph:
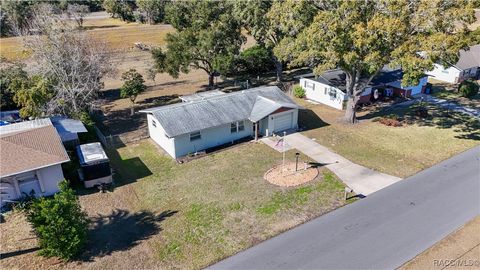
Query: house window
(237, 127)
(333, 93)
(241, 126)
(195, 136)
(310, 85)
(154, 123)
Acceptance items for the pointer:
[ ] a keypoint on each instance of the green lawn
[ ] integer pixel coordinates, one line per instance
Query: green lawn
(221, 202)
(400, 151)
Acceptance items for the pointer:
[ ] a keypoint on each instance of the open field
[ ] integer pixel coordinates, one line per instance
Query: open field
(459, 250)
(168, 215)
(118, 38)
(400, 151)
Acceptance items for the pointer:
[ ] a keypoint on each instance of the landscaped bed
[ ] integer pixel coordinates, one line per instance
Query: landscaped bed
(168, 215)
(401, 151)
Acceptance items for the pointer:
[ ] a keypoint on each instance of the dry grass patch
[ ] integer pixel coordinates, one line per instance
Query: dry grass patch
(400, 151)
(459, 250)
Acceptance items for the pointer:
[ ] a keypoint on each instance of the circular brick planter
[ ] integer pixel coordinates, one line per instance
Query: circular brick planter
(288, 177)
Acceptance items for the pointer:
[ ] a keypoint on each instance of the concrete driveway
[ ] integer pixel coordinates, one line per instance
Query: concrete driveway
(361, 179)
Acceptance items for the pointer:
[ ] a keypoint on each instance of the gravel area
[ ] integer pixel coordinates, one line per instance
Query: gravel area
(286, 176)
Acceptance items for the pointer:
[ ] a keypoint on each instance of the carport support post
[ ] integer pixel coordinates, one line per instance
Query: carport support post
(256, 131)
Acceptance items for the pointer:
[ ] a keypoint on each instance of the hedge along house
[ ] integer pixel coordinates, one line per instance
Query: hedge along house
(330, 87)
(213, 120)
(31, 154)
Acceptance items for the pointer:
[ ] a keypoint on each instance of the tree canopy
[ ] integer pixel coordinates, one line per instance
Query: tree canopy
(207, 38)
(152, 10)
(59, 223)
(69, 59)
(361, 37)
(133, 85)
(269, 22)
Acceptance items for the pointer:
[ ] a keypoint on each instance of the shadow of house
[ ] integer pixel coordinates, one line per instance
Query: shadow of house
(159, 101)
(308, 119)
(121, 231)
(127, 170)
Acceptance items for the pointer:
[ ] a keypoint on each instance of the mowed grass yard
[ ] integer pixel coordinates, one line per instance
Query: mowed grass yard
(400, 151)
(165, 215)
(222, 203)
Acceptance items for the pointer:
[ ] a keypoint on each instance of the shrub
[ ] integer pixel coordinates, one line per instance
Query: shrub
(298, 91)
(59, 223)
(468, 88)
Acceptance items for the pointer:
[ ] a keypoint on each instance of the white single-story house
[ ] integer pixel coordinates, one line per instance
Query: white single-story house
(214, 120)
(468, 66)
(31, 154)
(330, 87)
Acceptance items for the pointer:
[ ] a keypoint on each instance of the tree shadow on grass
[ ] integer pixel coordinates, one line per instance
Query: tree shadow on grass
(121, 231)
(466, 127)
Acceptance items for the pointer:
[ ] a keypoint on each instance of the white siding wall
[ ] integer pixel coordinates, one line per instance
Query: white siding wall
(416, 89)
(210, 138)
(450, 75)
(50, 177)
(319, 92)
(28, 181)
(158, 135)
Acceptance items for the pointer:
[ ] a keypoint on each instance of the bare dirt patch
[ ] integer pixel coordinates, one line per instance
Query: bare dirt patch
(288, 176)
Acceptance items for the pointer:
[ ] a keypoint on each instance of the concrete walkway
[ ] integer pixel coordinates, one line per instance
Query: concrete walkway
(362, 180)
(451, 105)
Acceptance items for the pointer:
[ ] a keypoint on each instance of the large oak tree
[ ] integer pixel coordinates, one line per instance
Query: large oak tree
(361, 37)
(269, 22)
(207, 38)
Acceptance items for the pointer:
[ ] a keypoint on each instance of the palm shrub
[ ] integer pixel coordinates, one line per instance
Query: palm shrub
(298, 91)
(468, 88)
(59, 223)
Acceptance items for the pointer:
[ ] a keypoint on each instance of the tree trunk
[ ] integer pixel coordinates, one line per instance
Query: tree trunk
(211, 80)
(132, 109)
(278, 68)
(351, 111)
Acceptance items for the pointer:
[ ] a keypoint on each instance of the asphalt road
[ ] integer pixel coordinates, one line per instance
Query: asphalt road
(382, 231)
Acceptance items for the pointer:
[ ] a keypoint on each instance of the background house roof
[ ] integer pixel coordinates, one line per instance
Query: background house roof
(470, 58)
(337, 77)
(201, 95)
(28, 146)
(187, 117)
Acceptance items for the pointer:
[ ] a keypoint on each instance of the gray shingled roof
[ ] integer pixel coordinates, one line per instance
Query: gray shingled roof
(187, 117)
(470, 58)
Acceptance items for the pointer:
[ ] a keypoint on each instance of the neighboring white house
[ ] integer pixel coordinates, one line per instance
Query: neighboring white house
(468, 66)
(213, 120)
(330, 87)
(31, 154)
